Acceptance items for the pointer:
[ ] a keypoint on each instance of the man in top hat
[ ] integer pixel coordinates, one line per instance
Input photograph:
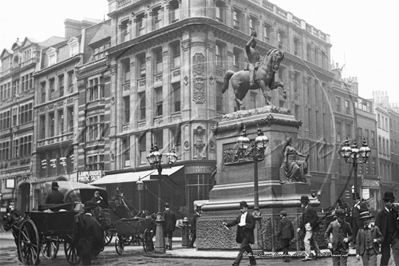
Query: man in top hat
(341, 235)
(368, 240)
(88, 235)
(309, 224)
(169, 225)
(388, 222)
(54, 197)
(245, 233)
(358, 208)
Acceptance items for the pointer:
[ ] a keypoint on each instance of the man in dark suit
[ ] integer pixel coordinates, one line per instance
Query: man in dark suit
(193, 224)
(55, 197)
(341, 235)
(388, 222)
(368, 240)
(245, 233)
(88, 234)
(285, 234)
(169, 226)
(309, 224)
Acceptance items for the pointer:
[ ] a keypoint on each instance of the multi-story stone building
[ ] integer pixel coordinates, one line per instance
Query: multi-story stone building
(168, 60)
(93, 78)
(383, 142)
(393, 113)
(57, 137)
(16, 120)
(368, 171)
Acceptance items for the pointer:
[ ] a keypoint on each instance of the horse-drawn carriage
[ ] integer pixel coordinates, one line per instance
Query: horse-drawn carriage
(43, 230)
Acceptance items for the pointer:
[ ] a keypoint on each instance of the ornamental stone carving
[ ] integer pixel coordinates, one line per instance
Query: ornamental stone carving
(199, 78)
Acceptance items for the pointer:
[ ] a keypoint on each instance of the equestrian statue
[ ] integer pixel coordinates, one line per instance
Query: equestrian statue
(260, 73)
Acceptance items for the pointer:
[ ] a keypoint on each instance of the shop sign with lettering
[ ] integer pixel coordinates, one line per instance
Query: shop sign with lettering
(89, 176)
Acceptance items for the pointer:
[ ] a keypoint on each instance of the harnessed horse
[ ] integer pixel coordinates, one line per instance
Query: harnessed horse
(264, 78)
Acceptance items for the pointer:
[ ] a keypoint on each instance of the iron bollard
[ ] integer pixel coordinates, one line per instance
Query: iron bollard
(185, 239)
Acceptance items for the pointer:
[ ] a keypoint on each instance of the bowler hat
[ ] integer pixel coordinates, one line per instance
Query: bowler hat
(365, 215)
(55, 185)
(89, 205)
(304, 198)
(243, 204)
(339, 212)
(283, 213)
(388, 196)
(166, 205)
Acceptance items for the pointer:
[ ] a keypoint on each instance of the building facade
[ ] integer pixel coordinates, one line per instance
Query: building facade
(16, 121)
(393, 113)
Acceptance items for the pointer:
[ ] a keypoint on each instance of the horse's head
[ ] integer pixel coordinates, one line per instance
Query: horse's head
(274, 58)
(11, 218)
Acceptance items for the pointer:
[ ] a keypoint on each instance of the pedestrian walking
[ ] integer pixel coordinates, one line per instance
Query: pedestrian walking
(193, 225)
(388, 222)
(88, 235)
(245, 233)
(341, 232)
(285, 234)
(169, 226)
(309, 224)
(368, 241)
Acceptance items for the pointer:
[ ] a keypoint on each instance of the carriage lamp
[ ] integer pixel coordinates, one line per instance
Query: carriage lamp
(351, 154)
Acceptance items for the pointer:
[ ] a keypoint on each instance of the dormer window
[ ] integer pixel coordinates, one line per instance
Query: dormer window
(52, 56)
(73, 44)
(27, 55)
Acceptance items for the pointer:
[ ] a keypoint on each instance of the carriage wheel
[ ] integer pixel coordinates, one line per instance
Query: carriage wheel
(29, 243)
(108, 237)
(119, 245)
(71, 253)
(50, 246)
(148, 245)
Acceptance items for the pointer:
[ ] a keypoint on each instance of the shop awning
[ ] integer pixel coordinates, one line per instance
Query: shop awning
(123, 177)
(166, 171)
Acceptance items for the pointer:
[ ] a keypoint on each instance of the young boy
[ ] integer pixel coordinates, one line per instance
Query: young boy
(285, 234)
(341, 235)
(368, 241)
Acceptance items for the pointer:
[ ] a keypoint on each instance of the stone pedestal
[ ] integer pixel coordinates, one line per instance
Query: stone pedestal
(235, 180)
(159, 238)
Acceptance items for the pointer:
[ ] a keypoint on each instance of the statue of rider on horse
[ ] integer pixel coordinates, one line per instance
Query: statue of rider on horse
(260, 73)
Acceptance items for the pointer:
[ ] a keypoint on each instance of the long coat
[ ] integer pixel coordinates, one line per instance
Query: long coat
(286, 229)
(339, 232)
(246, 231)
(55, 197)
(170, 221)
(309, 215)
(381, 221)
(361, 240)
(88, 234)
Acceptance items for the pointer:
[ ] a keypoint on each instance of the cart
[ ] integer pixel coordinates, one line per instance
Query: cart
(133, 229)
(42, 231)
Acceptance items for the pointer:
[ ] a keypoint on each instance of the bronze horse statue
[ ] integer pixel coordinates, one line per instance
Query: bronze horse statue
(264, 78)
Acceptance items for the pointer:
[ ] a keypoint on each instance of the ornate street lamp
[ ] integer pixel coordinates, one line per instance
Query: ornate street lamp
(256, 152)
(155, 160)
(351, 155)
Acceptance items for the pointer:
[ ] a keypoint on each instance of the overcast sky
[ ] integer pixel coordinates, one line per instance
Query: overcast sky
(364, 33)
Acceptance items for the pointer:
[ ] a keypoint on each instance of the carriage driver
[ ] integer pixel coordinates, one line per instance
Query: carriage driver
(253, 57)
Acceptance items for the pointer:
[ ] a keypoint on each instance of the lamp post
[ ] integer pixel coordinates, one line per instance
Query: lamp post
(351, 155)
(256, 152)
(140, 188)
(155, 160)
